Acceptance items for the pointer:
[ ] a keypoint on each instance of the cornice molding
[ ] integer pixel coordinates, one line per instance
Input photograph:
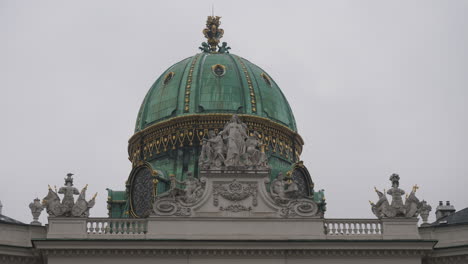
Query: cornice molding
(240, 252)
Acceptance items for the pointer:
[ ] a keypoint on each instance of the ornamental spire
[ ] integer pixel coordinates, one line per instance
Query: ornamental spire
(213, 34)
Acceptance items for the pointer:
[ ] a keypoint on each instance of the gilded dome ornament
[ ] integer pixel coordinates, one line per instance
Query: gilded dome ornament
(213, 34)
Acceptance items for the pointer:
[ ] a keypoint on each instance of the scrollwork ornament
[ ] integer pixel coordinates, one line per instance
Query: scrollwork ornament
(300, 208)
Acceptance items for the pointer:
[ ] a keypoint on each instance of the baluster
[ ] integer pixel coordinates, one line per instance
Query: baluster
(333, 229)
(108, 227)
(120, 229)
(131, 227)
(125, 227)
(340, 228)
(378, 228)
(101, 227)
(92, 228)
(96, 226)
(116, 227)
(366, 228)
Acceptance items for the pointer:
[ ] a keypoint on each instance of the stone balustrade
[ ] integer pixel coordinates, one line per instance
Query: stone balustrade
(353, 228)
(203, 228)
(109, 227)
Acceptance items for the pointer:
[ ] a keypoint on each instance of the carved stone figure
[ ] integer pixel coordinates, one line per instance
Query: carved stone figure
(207, 151)
(177, 201)
(205, 47)
(68, 207)
(68, 191)
(252, 153)
(410, 208)
(235, 134)
(232, 148)
(283, 190)
(224, 48)
(382, 207)
(412, 203)
(212, 153)
(36, 210)
(81, 207)
(277, 188)
(286, 194)
(396, 193)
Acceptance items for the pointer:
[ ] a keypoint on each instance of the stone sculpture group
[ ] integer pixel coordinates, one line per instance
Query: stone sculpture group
(412, 207)
(68, 207)
(233, 148)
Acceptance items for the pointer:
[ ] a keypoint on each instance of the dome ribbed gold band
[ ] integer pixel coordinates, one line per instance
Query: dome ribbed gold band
(190, 129)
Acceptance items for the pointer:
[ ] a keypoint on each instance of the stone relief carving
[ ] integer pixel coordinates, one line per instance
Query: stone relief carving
(68, 207)
(233, 148)
(300, 207)
(285, 192)
(235, 191)
(235, 208)
(412, 207)
(177, 201)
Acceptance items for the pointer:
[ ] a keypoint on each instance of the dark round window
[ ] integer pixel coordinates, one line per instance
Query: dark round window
(142, 192)
(219, 70)
(168, 77)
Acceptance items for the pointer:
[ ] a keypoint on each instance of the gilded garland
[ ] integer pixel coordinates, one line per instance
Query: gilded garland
(190, 130)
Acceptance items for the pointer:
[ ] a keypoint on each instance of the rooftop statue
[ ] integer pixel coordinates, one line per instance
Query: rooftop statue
(67, 207)
(412, 207)
(233, 148)
(224, 48)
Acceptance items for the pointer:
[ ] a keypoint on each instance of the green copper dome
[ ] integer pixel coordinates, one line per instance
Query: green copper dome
(209, 83)
(191, 99)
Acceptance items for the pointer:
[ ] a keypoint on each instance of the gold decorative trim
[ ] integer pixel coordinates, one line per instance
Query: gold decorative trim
(189, 130)
(188, 85)
(253, 101)
(266, 78)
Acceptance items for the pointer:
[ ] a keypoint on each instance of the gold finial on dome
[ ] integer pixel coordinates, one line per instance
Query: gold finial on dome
(212, 32)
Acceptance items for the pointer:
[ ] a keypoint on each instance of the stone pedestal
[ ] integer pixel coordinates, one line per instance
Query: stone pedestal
(235, 228)
(400, 228)
(235, 204)
(67, 227)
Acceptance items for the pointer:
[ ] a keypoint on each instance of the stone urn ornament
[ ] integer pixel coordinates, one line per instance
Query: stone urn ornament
(36, 210)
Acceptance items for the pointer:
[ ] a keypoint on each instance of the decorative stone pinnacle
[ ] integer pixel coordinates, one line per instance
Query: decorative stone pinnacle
(36, 209)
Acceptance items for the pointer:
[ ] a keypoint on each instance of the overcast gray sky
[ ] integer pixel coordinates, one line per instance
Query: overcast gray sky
(376, 87)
